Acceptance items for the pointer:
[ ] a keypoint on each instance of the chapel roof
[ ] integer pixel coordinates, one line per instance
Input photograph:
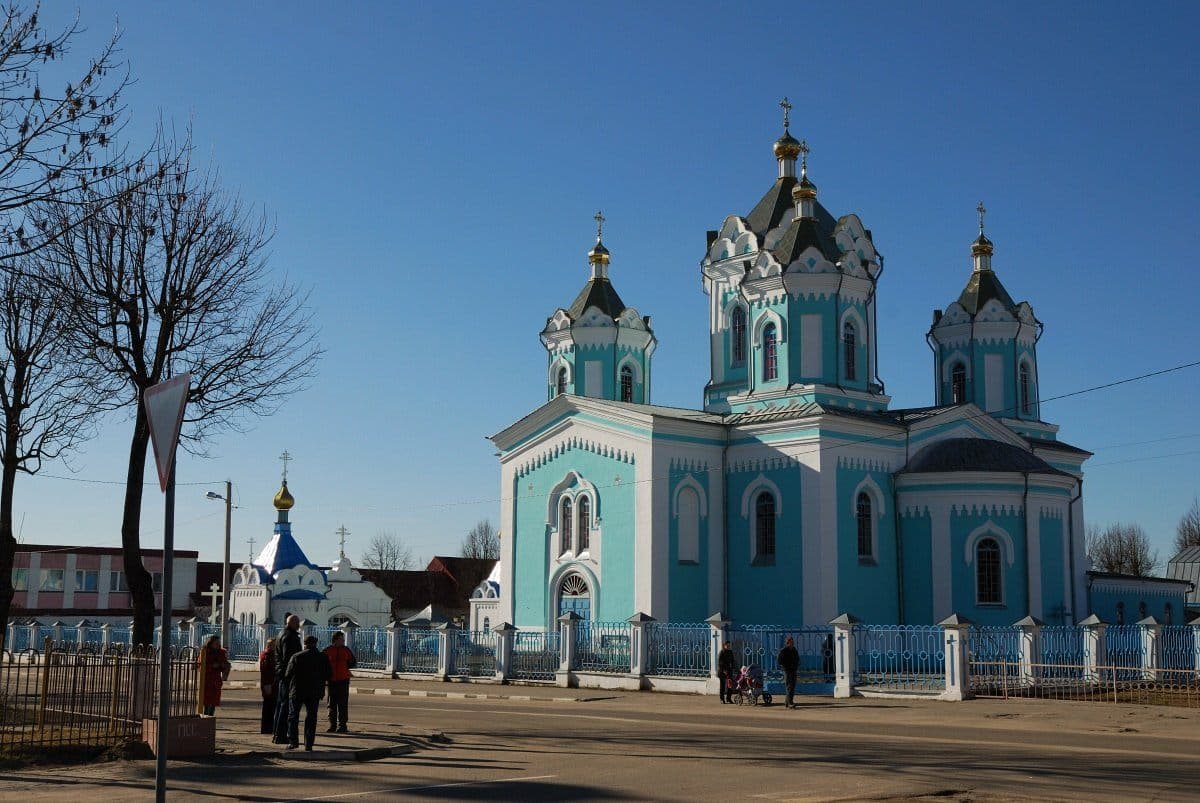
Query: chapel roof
(982, 287)
(1186, 566)
(282, 552)
(802, 234)
(600, 293)
(976, 454)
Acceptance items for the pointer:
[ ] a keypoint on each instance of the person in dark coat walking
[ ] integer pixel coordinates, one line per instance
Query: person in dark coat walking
(726, 672)
(307, 673)
(789, 662)
(287, 646)
(266, 684)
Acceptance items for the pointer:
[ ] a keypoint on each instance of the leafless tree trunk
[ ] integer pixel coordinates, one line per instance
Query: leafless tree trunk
(482, 541)
(53, 142)
(1188, 532)
(387, 551)
(1121, 549)
(173, 277)
(46, 399)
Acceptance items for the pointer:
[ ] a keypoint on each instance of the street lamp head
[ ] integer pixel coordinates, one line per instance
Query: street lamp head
(215, 495)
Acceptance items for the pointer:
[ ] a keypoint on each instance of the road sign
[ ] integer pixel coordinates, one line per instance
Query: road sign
(165, 403)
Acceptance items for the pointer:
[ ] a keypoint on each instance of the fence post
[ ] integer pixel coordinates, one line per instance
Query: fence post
(568, 623)
(35, 628)
(1195, 625)
(1151, 648)
(845, 654)
(639, 648)
(718, 625)
(264, 633)
(57, 628)
(194, 633)
(395, 634)
(1093, 647)
(958, 675)
(504, 647)
(446, 637)
(81, 633)
(306, 626)
(349, 629)
(1031, 648)
(10, 635)
(105, 636)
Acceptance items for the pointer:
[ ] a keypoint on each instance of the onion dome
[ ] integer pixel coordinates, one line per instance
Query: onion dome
(599, 254)
(284, 499)
(981, 246)
(804, 190)
(787, 147)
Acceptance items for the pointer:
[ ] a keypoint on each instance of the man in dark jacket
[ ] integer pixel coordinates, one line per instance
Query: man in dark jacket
(789, 662)
(287, 645)
(727, 672)
(307, 674)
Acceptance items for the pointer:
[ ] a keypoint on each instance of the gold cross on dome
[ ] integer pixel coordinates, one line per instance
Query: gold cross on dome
(787, 112)
(982, 210)
(285, 457)
(341, 533)
(599, 218)
(804, 157)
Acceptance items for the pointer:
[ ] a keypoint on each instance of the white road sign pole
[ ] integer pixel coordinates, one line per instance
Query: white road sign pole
(165, 404)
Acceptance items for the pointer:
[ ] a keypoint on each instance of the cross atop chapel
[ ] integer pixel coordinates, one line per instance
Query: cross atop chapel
(285, 458)
(787, 112)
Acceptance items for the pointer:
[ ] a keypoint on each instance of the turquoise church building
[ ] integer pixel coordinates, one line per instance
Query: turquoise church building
(797, 493)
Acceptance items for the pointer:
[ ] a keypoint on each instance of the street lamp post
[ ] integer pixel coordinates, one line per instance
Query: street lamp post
(228, 499)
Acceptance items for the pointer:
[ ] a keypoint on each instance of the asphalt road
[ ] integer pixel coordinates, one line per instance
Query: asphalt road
(666, 747)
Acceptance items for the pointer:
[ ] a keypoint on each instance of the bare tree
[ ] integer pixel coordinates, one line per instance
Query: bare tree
(53, 141)
(1121, 549)
(173, 277)
(46, 399)
(387, 551)
(1187, 533)
(482, 541)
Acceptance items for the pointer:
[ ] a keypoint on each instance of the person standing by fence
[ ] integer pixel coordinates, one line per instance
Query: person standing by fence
(214, 671)
(789, 662)
(267, 685)
(307, 673)
(287, 646)
(341, 661)
(726, 672)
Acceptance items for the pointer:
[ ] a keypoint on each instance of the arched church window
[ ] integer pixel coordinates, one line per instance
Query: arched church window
(338, 620)
(739, 335)
(850, 349)
(958, 383)
(862, 515)
(585, 522)
(487, 624)
(1026, 403)
(626, 384)
(770, 364)
(764, 526)
(1120, 613)
(574, 596)
(564, 527)
(561, 382)
(987, 573)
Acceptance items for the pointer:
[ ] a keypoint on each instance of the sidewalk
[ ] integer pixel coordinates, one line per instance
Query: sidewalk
(383, 685)
(237, 740)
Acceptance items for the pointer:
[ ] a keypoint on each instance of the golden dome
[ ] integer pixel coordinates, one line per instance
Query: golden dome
(599, 254)
(786, 147)
(284, 499)
(804, 189)
(981, 246)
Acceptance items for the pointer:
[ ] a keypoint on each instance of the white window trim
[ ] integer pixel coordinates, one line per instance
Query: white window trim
(1007, 554)
(749, 496)
(554, 368)
(760, 323)
(875, 494)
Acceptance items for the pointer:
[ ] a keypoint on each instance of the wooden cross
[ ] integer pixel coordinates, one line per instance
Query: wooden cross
(982, 211)
(342, 532)
(214, 594)
(787, 112)
(285, 457)
(599, 218)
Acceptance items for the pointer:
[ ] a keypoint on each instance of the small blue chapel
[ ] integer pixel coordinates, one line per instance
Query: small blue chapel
(797, 493)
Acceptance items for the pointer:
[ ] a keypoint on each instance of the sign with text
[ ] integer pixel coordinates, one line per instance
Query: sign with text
(165, 403)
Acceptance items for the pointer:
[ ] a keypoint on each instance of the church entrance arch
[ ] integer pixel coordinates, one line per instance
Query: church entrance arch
(574, 596)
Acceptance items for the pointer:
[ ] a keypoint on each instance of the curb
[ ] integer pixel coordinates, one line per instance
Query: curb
(452, 695)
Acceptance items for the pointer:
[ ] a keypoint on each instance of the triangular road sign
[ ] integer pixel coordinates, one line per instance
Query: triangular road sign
(165, 403)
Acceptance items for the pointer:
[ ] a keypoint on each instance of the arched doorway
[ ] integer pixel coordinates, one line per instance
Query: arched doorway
(575, 596)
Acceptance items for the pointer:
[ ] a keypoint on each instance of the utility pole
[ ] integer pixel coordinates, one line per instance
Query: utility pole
(228, 498)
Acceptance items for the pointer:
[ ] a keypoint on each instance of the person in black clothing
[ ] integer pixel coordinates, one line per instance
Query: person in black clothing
(307, 674)
(287, 646)
(726, 671)
(789, 662)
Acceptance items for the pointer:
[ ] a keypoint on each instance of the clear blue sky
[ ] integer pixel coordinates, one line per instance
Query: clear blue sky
(434, 167)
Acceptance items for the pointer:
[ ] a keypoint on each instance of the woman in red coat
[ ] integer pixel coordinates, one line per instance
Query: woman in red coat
(266, 683)
(214, 671)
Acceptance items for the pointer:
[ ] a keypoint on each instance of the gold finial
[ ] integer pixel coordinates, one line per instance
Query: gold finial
(284, 499)
(982, 210)
(804, 157)
(285, 457)
(599, 254)
(787, 112)
(599, 218)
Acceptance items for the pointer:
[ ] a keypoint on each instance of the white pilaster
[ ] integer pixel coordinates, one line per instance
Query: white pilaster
(810, 534)
(102, 583)
(69, 581)
(828, 535)
(1033, 558)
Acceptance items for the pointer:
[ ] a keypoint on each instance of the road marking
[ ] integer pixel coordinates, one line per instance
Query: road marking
(421, 788)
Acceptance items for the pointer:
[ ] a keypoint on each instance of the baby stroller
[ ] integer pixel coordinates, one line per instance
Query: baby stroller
(749, 686)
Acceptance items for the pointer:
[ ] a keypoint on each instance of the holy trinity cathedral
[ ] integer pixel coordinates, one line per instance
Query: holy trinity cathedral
(796, 494)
